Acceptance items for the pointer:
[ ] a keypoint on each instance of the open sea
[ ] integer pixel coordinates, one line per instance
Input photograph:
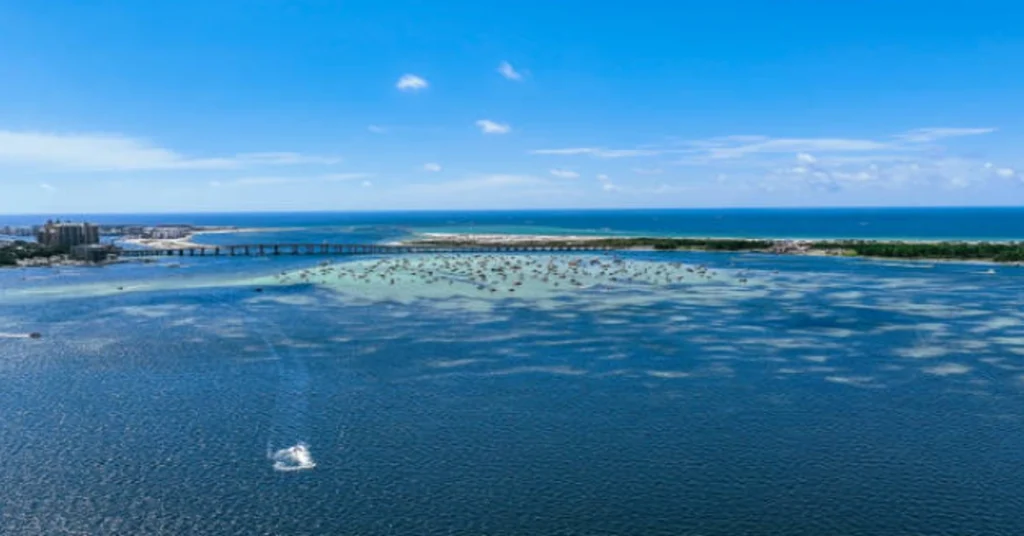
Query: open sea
(641, 393)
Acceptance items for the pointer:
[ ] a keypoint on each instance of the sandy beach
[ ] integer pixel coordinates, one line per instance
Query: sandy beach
(163, 243)
(186, 242)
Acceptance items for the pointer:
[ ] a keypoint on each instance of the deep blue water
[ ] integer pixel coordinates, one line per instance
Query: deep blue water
(827, 396)
(1005, 223)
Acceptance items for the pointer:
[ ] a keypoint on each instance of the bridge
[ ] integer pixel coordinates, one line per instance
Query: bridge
(263, 250)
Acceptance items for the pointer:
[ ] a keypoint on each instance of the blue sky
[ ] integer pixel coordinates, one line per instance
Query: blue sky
(228, 105)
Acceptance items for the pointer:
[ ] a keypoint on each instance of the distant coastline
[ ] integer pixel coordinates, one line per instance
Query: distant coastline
(936, 250)
(188, 241)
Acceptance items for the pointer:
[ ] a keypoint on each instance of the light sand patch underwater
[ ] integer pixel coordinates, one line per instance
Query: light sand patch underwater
(543, 278)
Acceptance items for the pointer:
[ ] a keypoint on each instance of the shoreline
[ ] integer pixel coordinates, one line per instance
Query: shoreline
(187, 242)
(977, 251)
(529, 237)
(986, 252)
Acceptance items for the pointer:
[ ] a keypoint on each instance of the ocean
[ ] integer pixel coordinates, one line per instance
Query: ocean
(992, 223)
(646, 393)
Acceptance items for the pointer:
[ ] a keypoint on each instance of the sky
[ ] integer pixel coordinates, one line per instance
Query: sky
(132, 106)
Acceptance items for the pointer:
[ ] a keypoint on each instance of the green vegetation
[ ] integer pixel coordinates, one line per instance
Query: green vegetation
(20, 250)
(703, 244)
(995, 251)
(989, 251)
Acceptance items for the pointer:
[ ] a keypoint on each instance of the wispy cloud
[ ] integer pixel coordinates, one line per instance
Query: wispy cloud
(411, 83)
(341, 177)
(564, 173)
(377, 129)
(284, 158)
(806, 158)
(908, 161)
(490, 127)
(105, 152)
(597, 152)
(274, 180)
(606, 183)
(432, 167)
(261, 181)
(1003, 172)
(47, 187)
(648, 171)
(924, 135)
(483, 183)
(796, 145)
(508, 72)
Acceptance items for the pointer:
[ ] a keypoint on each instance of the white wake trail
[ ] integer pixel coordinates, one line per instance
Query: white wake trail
(285, 447)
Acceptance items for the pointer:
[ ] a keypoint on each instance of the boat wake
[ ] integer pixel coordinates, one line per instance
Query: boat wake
(289, 418)
(294, 458)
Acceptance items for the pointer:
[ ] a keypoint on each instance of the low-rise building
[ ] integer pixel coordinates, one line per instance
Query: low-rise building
(167, 232)
(92, 252)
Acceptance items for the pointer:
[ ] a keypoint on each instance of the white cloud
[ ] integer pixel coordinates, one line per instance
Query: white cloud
(432, 166)
(648, 171)
(490, 127)
(482, 183)
(597, 152)
(377, 129)
(508, 72)
(271, 180)
(924, 135)
(47, 187)
(411, 82)
(564, 173)
(606, 183)
(924, 173)
(367, 184)
(806, 158)
(106, 152)
(284, 158)
(341, 177)
(261, 181)
(800, 145)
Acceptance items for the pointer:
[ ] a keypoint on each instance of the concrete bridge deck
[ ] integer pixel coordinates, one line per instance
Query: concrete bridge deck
(261, 250)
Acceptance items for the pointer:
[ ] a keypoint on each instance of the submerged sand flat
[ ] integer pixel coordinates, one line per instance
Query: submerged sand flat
(532, 277)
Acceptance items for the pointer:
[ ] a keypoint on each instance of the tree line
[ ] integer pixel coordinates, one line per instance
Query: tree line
(993, 251)
(20, 250)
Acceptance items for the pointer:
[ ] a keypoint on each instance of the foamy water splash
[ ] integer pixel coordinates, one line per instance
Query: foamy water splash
(294, 458)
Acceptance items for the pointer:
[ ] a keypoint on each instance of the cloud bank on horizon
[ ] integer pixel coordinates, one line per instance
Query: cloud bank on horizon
(319, 128)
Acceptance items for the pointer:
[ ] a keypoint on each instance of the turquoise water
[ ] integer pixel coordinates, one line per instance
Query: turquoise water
(772, 395)
(1006, 223)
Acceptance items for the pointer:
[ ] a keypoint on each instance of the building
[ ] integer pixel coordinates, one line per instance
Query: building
(93, 252)
(67, 235)
(167, 232)
(10, 230)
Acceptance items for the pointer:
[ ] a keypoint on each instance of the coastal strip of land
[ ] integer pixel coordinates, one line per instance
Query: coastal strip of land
(187, 241)
(1001, 252)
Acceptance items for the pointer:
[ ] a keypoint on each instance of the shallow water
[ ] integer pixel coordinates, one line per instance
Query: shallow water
(822, 396)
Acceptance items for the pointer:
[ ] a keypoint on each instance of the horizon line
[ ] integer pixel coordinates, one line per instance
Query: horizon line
(484, 210)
